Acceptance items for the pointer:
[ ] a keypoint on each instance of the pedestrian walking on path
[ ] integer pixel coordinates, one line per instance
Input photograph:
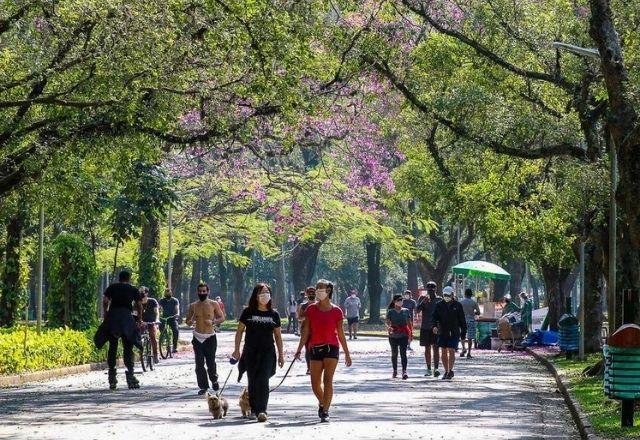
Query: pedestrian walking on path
(352, 307)
(292, 314)
(450, 326)
(171, 310)
(323, 330)
(309, 296)
(471, 310)
(398, 319)
(410, 304)
(119, 323)
(151, 317)
(426, 305)
(205, 314)
(258, 359)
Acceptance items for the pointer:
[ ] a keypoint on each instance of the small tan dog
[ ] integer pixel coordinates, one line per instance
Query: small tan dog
(244, 403)
(218, 406)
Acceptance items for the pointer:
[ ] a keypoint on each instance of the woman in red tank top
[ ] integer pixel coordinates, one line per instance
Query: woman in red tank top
(322, 328)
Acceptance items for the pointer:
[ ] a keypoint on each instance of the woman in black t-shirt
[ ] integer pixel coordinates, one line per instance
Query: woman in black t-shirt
(258, 358)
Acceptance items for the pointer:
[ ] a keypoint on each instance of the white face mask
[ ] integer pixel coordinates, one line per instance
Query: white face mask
(447, 298)
(321, 294)
(264, 298)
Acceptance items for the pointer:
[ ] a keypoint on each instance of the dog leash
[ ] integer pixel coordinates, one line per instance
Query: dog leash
(285, 376)
(219, 393)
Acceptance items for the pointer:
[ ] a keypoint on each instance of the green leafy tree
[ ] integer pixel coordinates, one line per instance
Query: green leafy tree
(72, 298)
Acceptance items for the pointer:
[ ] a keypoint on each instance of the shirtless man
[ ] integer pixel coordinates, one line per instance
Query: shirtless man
(205, 314)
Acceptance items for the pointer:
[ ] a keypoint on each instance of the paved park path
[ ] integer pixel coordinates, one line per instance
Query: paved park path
(492, 396)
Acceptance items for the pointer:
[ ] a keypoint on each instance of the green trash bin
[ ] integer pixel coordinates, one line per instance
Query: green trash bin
(622, 372)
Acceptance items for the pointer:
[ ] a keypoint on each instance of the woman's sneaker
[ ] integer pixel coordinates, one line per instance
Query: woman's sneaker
(436, 373)
(450, 375)
(324, 418)
(262, 417)
(405, 376)
(395, 374)
(428, 373)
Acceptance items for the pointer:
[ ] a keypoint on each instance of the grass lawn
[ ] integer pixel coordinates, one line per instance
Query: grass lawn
(604, 413)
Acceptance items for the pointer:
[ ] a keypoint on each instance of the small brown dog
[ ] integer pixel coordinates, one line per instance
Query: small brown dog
(244, 403)
(218, 406)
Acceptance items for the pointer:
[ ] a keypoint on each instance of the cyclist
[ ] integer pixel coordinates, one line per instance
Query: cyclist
(171, 309)
(151, 317)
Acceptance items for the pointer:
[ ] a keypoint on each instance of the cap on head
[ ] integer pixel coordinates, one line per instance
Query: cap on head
(507, 296)
(447, 291)
(431, 285)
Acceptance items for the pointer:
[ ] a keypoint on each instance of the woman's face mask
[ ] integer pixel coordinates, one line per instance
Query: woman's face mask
(264, 298)
(321, 294)
(398, 303)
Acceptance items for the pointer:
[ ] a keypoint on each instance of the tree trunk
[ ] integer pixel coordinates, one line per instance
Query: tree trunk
(223, 278)
(151, 273)
(13, 295)
(558, 283)
(195, 280)
(177, 272)
(536, 292)
(205, 275)
(412, 276)
(304, 257)
(516, 268)
(374, 285)
(280, 294)
(623, 126)
(240, 298)
(593, 313)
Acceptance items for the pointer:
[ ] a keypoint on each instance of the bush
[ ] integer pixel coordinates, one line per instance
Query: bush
(23, 350)
(73, 278)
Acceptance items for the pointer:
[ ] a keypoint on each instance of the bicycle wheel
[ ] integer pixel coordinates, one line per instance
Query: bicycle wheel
(164, 344)
(142, 360)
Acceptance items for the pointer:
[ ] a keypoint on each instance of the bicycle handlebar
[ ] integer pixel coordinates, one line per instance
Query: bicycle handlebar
(162, 318)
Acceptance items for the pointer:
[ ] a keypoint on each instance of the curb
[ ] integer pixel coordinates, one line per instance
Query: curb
(55, 373)
(581, 420)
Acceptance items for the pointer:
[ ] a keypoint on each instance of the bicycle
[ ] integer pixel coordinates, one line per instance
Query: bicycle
(165, 343)
(146, 355)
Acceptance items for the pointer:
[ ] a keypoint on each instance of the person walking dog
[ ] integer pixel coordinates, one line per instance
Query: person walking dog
(262, 325)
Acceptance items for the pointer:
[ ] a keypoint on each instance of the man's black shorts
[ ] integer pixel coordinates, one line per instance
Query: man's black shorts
(427, 337)
(321, 352)
(352, 320)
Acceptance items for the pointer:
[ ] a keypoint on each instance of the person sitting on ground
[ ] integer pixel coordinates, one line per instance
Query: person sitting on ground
(509, 306)
(450, 326)
(471, 310)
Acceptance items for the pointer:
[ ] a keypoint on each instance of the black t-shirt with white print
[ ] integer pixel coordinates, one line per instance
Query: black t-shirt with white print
(260, 325)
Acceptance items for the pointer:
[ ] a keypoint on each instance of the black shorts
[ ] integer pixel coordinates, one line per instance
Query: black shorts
(352, 320)
(427, 337)
(326, 351)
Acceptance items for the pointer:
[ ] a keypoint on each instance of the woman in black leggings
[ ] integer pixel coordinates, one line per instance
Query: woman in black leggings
(258, 358)
(398, 319)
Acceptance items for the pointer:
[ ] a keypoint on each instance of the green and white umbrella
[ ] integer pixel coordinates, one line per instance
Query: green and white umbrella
(481, 269)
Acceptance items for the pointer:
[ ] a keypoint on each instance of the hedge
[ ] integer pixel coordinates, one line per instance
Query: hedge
(54, 348)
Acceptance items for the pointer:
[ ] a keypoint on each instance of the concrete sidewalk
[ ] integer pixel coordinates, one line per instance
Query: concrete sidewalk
(492, 396)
